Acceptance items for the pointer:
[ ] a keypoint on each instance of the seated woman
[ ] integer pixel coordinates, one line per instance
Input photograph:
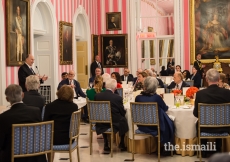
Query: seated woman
(222, 83)
(163, 72)
(117, 77)
(141, 77)
(178, 68)
(186, 75)
(166, 124)
(60, 111)
(98, 84)
(196, 77)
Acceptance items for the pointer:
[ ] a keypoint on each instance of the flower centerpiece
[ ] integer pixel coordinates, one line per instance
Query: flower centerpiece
(177, 92)
(190, 94)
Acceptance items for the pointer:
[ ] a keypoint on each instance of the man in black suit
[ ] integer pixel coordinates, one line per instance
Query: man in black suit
(213, 94)
(127, 77)
(96, 64)
(112, 24)
(19, 113)
(32, 97)
(26, 70)
(178, 82)
(118, 114)
(197, 63)
(91, 79)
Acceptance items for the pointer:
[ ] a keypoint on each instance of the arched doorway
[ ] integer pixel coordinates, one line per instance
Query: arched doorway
(44, 45)
(82, 50)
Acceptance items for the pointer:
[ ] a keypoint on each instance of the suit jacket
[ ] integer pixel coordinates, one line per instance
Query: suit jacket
(23, 72)
(161, 84)
(118, 112)
(78, 90)
(130, 78)
(93, 66)
(212, 95)
(134, 80)
(196, 80)
(33, 98)
(112, 26)
(17, 114)
(173, 84)
(60, 111)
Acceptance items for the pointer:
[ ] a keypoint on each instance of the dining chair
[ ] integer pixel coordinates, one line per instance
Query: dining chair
(145, 114)
(189, 82)
(74, 131)
(212, 116)
(120, 92)
(100, 112)
(43, 112)
(32, 139)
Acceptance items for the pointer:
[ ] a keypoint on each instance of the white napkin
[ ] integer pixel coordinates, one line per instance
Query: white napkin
(169, 98)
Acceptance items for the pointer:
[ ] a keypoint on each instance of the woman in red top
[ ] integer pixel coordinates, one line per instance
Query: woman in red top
(117, 77)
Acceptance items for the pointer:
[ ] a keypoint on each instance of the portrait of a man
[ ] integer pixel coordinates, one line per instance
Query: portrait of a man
(66, 46)
(18, 33)
(212, 29)
(113, 21)
(114, 50)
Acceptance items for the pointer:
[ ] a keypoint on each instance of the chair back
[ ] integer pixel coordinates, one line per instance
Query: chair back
(74, 129)
(32, 139)
(144, 113)
(99, 111)
(120, 92)
(214, 115)
(43, 112)
(189, 82)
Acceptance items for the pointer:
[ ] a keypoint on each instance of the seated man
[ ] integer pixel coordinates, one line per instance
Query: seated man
(91, 79)
(17, 114)
(212, 95)
(153, 74)
(178, 82)
(64, 75)
(118, 114)
(127, 77)
(32, 97)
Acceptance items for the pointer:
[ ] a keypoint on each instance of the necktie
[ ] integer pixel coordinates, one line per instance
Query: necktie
(177, 86)
(32, 70)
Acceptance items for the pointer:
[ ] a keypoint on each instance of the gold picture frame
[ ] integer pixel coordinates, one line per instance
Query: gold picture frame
(208, 21)
(113, 21)
(17, 31)
(95, 45)
(114, 49)
(65, 43)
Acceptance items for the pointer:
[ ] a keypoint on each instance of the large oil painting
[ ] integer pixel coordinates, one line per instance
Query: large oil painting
(210, 30)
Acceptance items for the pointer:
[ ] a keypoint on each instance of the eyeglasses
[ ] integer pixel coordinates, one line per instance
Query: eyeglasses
(71, 74)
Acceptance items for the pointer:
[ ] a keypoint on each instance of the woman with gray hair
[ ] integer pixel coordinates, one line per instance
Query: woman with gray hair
(166, 124)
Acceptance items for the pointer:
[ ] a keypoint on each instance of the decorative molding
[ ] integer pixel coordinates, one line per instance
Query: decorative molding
(39, 32)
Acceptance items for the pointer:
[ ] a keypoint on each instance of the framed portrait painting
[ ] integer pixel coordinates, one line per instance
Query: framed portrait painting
(113, 21)
(210, 30)
(114, 49)
(95, 45)
(65, 43)
(18, 31)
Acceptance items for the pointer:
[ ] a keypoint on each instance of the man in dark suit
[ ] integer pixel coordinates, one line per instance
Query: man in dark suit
(127, 77)
(178, 82)
(91, 79)
(112, 24)
(118, 114)
(67, 45)
(32, 97)
(26, 70)
(197, 63)
(19, 113)
(96, 64)
(213, 94)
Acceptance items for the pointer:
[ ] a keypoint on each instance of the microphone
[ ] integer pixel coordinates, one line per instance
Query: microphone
(37, 70)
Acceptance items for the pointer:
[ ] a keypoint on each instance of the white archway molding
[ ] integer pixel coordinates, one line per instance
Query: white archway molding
(52, 30)
(2, 56)
(84, 23)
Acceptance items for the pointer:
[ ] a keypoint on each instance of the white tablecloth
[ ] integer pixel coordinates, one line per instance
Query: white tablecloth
(80, 102)
(185, 122)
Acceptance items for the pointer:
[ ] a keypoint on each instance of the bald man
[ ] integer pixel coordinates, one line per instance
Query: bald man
(26, 70)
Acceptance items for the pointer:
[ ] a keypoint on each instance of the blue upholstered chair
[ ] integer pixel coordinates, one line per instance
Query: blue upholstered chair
(145, 114)
(189, 82)
(213, 116)
(74, 130)
(43, 112)
(32, 139)
(120, 92)
(100, 112)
